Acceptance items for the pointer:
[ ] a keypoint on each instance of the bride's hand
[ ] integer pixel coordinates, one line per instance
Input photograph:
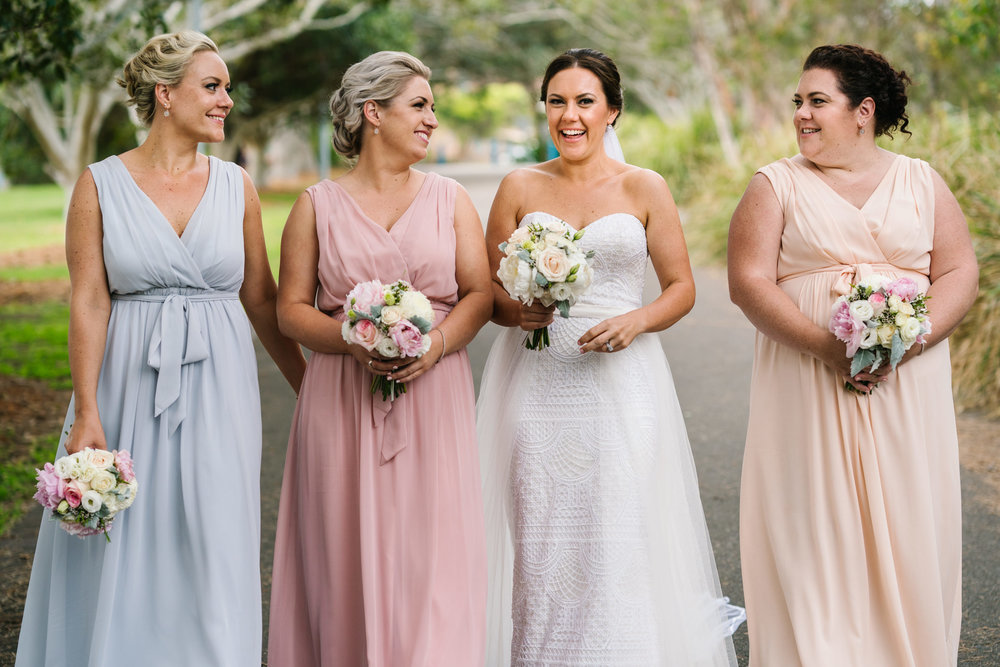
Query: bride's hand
(535, 316)
(611, 335)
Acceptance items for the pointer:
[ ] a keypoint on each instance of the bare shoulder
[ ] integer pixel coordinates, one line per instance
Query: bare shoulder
(644, 182)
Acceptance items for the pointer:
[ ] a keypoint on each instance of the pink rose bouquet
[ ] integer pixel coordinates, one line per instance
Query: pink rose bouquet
(85, 490)
(392, 320)
(880, 319)
(542, 261)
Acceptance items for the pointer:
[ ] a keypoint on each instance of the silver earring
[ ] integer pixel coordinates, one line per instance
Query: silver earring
(166, 113)
(861, 130)
(376, 130)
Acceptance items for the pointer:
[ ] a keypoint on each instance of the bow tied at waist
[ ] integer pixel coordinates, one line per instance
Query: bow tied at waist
(178, 339)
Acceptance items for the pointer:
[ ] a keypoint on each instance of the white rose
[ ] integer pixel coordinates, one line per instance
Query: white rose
(885, 335)
(101, 458)
(125, 491)
(519, 236)
(387, 348)
(415, 304)
(894, 303)
(557, 226)
(391, 315)
(910, 330)
(862, 310)
(111, 503)
(62, 466)
(91, 501)
(553, 264)
(875, 281)
(103, 481)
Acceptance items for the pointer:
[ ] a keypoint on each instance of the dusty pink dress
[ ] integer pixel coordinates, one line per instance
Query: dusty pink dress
(380, 556)
(850, 517)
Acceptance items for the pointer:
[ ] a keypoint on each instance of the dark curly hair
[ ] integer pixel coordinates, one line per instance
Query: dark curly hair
(599, 64)
(865, 73)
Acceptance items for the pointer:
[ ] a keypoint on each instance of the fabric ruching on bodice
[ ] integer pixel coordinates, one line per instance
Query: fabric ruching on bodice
(418, 248)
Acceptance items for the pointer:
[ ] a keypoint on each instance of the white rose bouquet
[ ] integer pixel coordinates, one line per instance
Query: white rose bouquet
(542, 261)
(87, 489)
(393, 320)
(880, 319)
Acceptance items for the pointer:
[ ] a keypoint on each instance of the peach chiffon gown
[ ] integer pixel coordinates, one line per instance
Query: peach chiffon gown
(380, 557)
(850, 517)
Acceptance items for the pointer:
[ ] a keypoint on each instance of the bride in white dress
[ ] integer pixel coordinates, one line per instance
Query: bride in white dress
(599, 552)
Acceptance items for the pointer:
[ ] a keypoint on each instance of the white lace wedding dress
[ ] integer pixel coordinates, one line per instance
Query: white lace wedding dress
(599, 553)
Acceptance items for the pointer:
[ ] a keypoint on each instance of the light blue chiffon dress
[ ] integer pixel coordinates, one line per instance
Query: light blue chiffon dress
(179, 583)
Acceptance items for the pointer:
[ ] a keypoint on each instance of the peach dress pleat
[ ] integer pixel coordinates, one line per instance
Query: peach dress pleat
(850, 511)
(380, 555)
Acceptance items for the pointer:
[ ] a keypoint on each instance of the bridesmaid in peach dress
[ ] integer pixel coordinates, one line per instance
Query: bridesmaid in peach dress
(850, 517)
(380, 557)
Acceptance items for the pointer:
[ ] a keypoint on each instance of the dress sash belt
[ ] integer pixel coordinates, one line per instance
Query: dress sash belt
(178, 339)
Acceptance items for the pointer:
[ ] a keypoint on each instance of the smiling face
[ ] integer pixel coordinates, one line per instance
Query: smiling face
(406, 123)
(200, 103)
(578, 113)
(826, 125)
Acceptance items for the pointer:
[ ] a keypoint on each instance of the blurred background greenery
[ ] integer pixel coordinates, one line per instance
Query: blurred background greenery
(707, 86)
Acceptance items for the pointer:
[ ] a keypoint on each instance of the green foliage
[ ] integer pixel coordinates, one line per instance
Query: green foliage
(37, 37)
(33, 342)
(31, 216)
(17, 475)
(21, 157)
(480, 111)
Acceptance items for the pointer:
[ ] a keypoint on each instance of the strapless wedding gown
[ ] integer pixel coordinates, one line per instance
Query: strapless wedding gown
(599, 552)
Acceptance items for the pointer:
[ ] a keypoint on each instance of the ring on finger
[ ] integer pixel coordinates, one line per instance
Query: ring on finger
(370, 363)
(611, 348)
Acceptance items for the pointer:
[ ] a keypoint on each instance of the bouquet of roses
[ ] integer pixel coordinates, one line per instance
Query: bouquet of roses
(87, 489)
(542, 261)
(393, 320)
(880, 319)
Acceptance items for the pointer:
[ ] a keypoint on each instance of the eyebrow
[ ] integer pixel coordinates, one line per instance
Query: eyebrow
(815, 92)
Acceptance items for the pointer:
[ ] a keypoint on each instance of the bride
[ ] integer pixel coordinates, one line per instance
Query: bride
(599, 552)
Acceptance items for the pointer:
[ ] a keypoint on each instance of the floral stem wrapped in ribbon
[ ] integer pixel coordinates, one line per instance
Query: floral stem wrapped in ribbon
(880, 319)
(86, 490)
(392, 320)
(542, 261)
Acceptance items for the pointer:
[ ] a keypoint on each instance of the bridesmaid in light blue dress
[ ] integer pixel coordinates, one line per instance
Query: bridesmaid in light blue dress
(165, 250)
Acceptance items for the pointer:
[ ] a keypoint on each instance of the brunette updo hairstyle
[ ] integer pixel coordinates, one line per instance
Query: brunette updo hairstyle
(599, 64)
(379, 77)
(865, 73)
(164, 59)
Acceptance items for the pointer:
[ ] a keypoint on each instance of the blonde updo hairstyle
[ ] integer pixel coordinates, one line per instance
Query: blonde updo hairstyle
(380, 77)
(164, 59)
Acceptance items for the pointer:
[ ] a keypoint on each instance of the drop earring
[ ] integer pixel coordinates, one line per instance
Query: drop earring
(861, 130)
(166, 113)
(376, 130)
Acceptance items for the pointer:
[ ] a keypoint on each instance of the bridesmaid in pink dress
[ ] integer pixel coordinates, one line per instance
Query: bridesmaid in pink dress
(380, 555)
(850, 511)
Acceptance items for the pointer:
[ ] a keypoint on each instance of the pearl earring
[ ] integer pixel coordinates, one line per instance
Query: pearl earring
(166, 113)
(376, 130)
(861, 130)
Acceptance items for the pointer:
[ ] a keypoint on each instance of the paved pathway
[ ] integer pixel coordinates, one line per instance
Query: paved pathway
(710, 353)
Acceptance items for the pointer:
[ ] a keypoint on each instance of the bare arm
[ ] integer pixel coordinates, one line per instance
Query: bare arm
(754, 241)
(954, 274)
(259, 293)
(90, 308)
(504, 214)
(668, 253)
(474, 296)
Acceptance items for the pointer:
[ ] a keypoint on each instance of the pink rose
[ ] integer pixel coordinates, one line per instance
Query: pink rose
(407, 338)
(877, 302)
(904, 288)
(123, 462)
(364, 296)
(365, 334)
(73, 494)
(82, 531)
(845, 327)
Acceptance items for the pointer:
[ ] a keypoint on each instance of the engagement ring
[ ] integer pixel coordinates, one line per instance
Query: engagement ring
(611, 348)
(370, 363)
